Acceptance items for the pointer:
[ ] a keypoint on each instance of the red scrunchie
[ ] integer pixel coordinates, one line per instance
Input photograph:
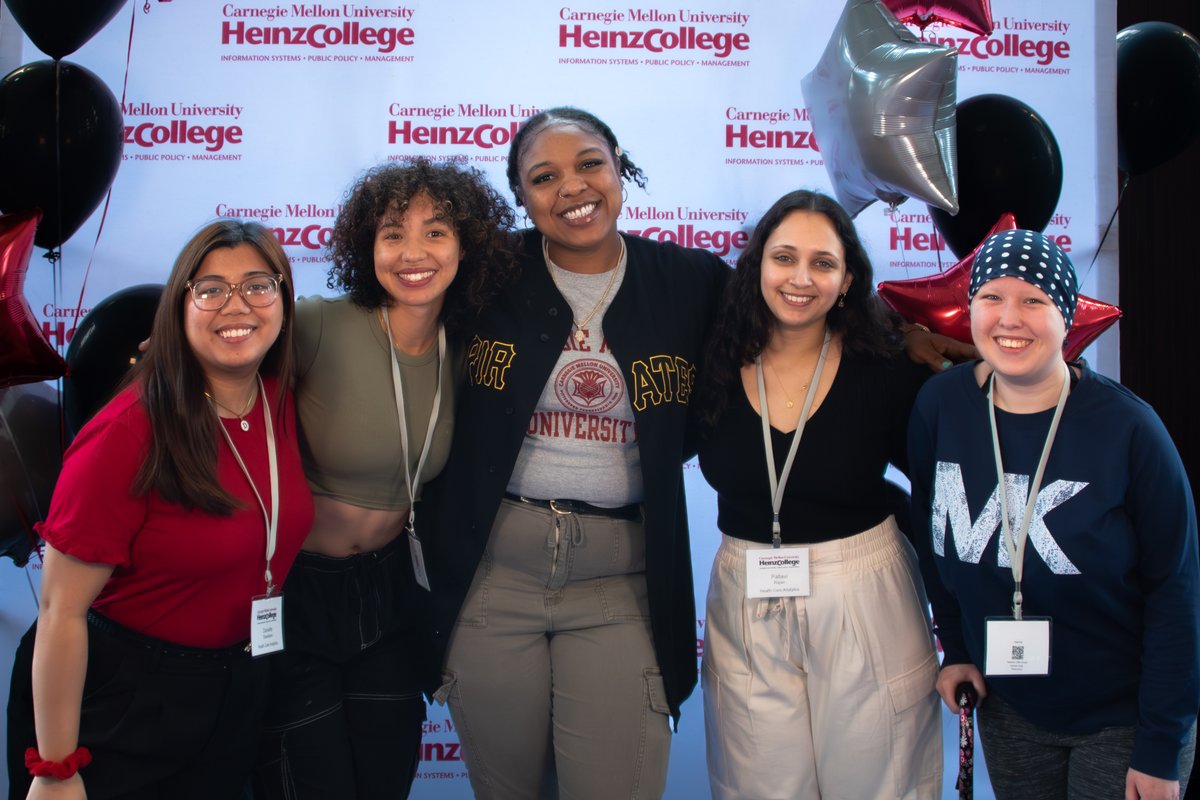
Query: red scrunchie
(62, 770)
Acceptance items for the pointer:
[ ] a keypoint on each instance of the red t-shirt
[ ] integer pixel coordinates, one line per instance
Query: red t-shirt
(184, 576)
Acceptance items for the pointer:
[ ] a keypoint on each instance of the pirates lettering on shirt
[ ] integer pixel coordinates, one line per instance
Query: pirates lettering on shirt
(488, 361)
(661, 379)
(949, 503)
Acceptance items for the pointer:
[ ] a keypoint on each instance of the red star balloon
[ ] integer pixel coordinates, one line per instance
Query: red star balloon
(1092, 318)
(25, 355)
(971, 15)
(939, 302)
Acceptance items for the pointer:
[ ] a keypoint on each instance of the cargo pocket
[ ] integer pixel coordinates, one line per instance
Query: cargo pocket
(916, 729)
(650, 778)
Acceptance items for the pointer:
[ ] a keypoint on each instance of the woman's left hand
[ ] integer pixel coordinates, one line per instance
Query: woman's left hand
(935, 351)
(1140, 786)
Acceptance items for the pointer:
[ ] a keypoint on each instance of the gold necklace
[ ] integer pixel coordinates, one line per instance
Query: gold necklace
(787, 396)
(242, 421)
(579, 326)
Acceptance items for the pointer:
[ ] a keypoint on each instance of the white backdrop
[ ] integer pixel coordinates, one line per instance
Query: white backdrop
(269, 110)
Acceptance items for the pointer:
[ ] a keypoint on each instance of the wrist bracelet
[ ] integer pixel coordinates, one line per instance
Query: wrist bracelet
(40, 768)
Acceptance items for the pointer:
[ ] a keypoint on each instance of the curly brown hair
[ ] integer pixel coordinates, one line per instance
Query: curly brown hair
(482, 220)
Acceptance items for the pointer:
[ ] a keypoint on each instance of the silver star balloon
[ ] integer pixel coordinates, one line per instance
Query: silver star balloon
(882, 109)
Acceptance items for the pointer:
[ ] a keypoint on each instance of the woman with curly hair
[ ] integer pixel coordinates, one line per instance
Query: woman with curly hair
(819, 664)
(417, 248)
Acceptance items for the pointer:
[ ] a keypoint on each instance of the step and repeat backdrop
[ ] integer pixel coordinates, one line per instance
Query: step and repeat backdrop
(269, 110)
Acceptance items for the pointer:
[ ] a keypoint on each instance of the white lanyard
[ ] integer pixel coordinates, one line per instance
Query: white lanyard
(271, 518)
(412, 478)
(1016, 546)
(778, 485)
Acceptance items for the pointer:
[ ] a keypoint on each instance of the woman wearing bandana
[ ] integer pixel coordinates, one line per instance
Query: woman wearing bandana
(1069, 598)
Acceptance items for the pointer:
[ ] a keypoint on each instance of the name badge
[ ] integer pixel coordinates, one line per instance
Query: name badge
(1017, 647)
(418, 559)
(266, 625)
(777, 572)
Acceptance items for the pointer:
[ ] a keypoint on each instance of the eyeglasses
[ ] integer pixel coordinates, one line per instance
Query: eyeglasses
(211, 294)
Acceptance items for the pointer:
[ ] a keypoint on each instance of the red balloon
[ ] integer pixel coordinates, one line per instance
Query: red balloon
(971, 15)
(25, 355)
(1092, 318)
(939, 302)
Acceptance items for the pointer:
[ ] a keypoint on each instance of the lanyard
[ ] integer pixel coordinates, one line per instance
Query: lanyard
(777, 486)
(271, 518)
(412, 478)
(1016, 547)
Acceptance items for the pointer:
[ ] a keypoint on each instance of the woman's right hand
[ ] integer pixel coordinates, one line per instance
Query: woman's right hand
(54, 789)
(951, 675)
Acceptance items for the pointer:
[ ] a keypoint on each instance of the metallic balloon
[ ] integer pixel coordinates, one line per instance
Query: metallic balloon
(971, 15)
(25, 355)
(939, 302)
(882, 104)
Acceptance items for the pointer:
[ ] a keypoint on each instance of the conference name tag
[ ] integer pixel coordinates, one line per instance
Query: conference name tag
(1017, 646)
(777, 572)
(266, 625)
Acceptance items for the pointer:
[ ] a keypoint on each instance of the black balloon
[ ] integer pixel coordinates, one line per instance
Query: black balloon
(1158, 94)
(30, 460)
(80, 152)
(60, 27)
(104, 347)
(1008, 161)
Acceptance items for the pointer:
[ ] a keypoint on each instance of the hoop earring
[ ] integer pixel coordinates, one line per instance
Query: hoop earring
(624, 194)
(842, 300)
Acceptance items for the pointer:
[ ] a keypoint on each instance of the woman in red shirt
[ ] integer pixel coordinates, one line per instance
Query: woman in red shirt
(176, 517)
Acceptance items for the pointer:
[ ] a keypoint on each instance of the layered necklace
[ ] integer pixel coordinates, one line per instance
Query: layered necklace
(581, 324)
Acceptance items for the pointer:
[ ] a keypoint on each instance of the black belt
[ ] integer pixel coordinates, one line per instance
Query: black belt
(631, 512)
(163, 648)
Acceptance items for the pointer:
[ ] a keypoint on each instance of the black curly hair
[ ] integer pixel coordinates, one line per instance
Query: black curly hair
(481, 218)
(566, 115)
(744, 322)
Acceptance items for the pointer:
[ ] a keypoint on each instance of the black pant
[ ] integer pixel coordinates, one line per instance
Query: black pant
(344, 720)
(162, 721)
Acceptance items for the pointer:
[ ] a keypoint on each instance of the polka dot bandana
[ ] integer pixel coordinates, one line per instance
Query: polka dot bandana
(1033, 258)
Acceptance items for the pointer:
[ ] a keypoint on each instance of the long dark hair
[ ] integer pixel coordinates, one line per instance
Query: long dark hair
(480, 216)
(182, 462)
(566, 115)
(744, 322)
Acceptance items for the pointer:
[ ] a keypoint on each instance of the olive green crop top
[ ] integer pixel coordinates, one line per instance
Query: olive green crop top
(349, 432)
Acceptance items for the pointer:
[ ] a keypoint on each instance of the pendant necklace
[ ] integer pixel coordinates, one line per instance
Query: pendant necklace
(579, 326)
(242, 421)
(787, 397)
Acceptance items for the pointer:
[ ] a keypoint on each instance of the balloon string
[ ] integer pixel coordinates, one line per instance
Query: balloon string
(55, 253)
(108, 195)
(128, 54)
(1111, 220)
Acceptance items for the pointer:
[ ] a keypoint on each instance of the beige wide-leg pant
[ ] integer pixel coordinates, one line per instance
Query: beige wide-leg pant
(826, 696)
